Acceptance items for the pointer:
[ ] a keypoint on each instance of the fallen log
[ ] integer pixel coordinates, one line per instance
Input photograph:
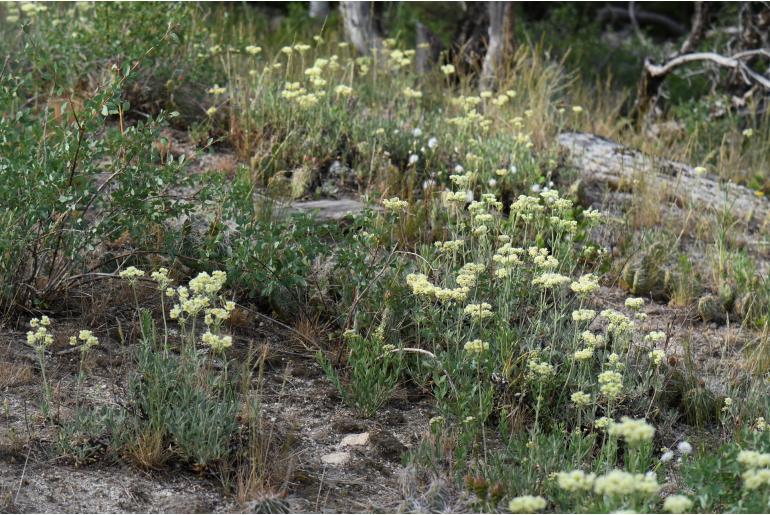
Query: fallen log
(608, 168)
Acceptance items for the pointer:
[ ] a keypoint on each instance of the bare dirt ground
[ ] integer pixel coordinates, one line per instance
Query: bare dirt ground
(335, 461)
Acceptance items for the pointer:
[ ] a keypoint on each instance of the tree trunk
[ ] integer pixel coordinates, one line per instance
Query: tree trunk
(362, 27)
(500, 43)
(699, 26)
(428, 48)
(319, 9)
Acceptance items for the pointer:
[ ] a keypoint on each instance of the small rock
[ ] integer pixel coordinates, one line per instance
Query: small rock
(336, 458)
(355, 440)
(329, 209)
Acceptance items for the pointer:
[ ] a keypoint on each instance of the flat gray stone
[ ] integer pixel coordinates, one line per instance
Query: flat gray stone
(355, 440)
(329, 209)
(336, 458)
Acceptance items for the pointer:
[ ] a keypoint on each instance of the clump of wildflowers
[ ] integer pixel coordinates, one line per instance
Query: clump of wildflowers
(677, 504)
(621, 483)
(655, 337)
(395, 204)
(580, 399)
(420, 284)
(540, 369)
(526, 504)
(479, 311)
(754, 459)
(633, 431)
(216, 342)
(619, 324)
(584, 354)
(476, 346)
(575, 481)
(131, 274)
(550, 280)
(585, 285)
(583, 315)
(88, 339)
(39, 339)
(611, 383)
(656, 356)
(161, 277)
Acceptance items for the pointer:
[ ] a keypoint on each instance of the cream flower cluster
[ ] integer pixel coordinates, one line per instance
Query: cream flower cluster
(755, 478)
(657, 356)
(575, 481)
(205, 284)
(585, 285)
(655, 336)
(161, 277)
(400, 58)
(526, 504)
(203, 287)
(635, 303)
(295, 92)
(479, 311)
(476, 346)
(421, 286)
(593, 340)
(549, 280)
(215, 316)
(343, 90)
(611, 383)
(621, 483)
(540, 369)
(527, 207)
(584, 354)
(580, 399)
(39, 338)
(583, 315)
(633, 431)
(754, 459)
(87, 337)
(469, 274)
(619, 324)
(458, 197)
(450, 246)
(395, 204)
(131, 274)
(411, 93)
(218, 343)
(542, 258)
(677, 504)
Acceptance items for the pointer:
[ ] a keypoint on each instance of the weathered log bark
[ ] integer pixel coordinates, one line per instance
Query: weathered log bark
(319, 9)
(361, 24)
(606, 167)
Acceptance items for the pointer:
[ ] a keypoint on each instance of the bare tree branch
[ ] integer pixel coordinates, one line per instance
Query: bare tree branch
(698, 31)
(612, 12)
(749, 75)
